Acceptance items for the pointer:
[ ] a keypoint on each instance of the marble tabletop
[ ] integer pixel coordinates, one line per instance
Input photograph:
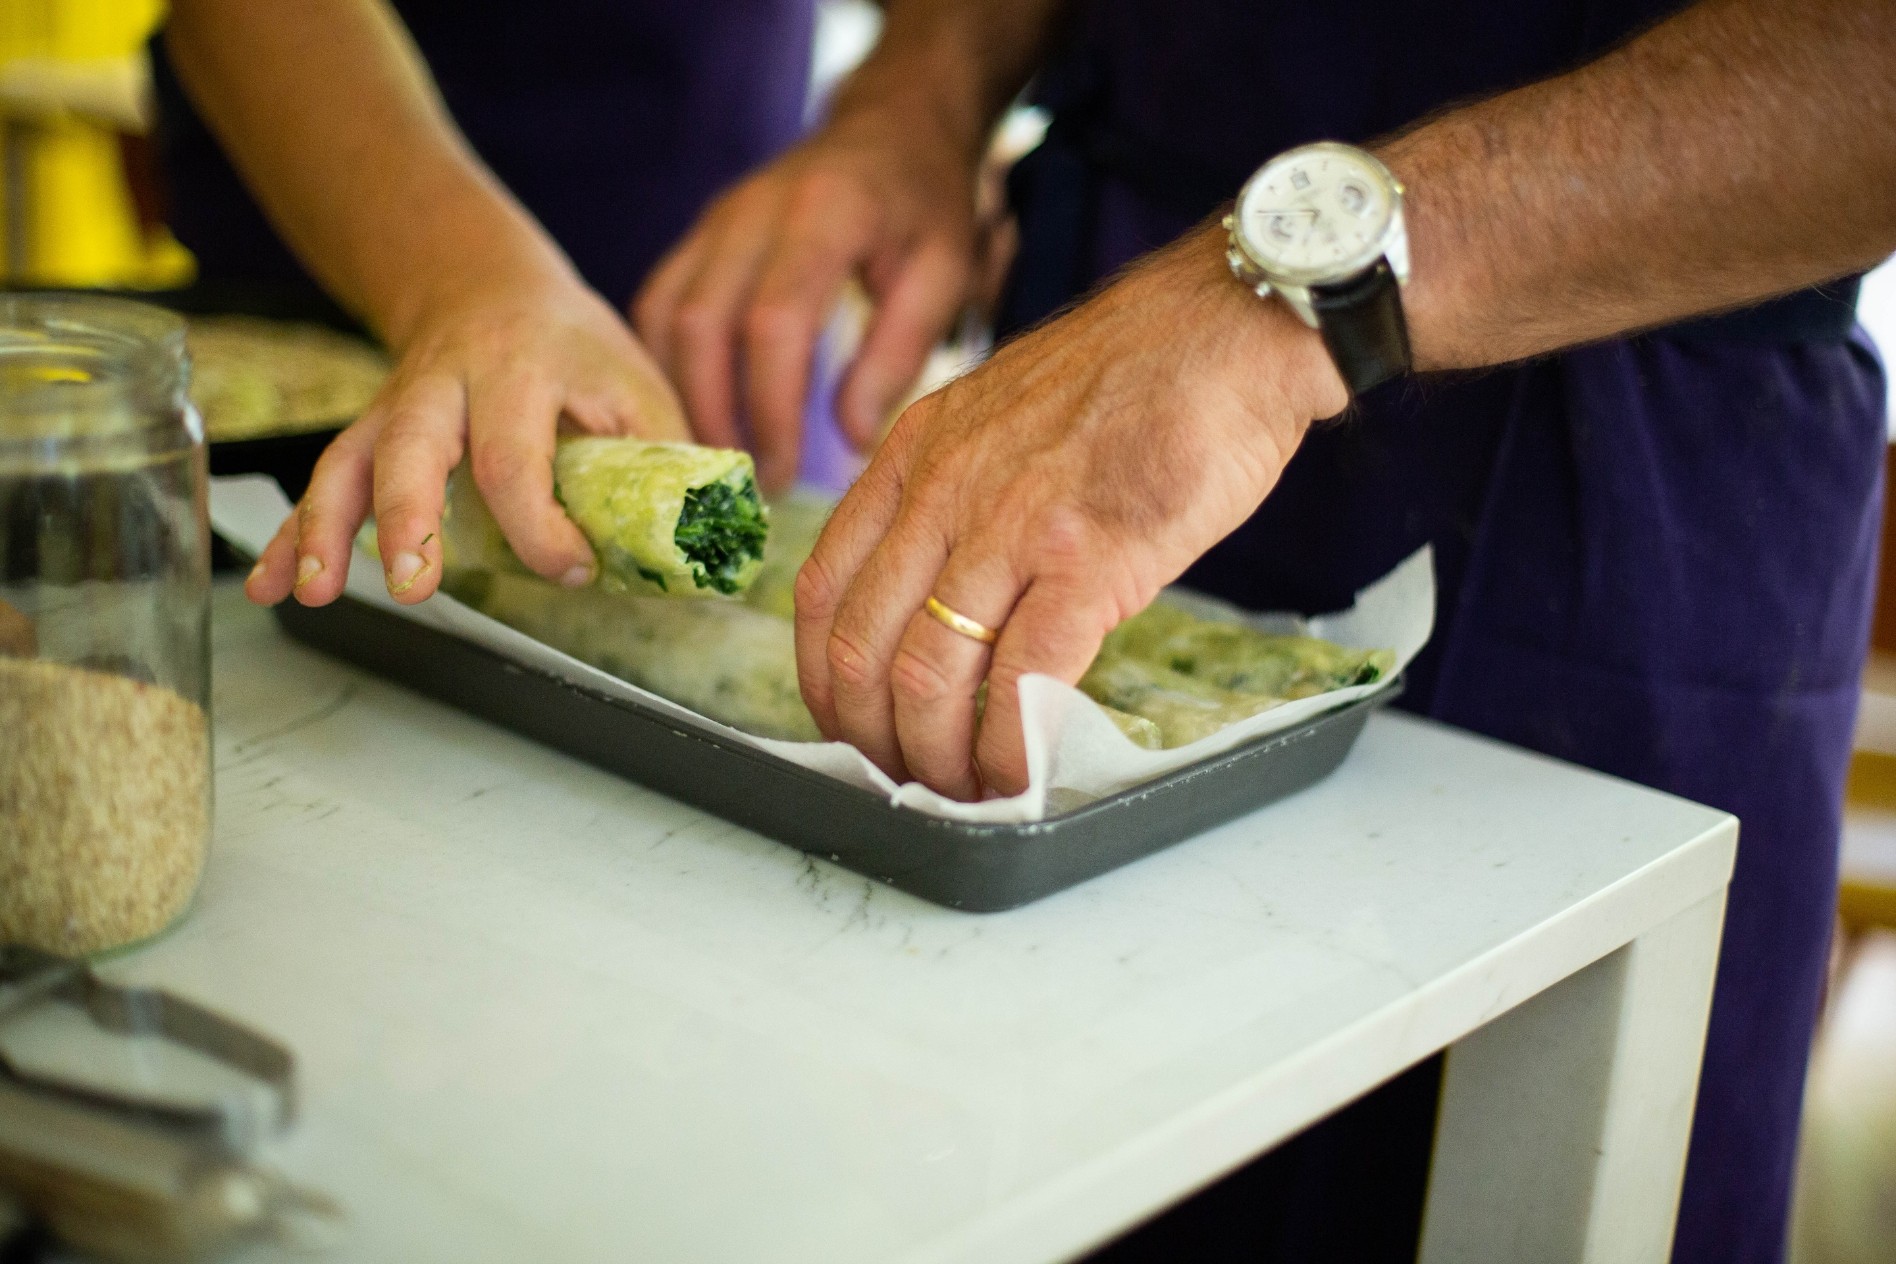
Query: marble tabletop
(543, 1013)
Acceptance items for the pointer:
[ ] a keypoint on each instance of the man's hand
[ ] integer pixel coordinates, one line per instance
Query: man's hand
(735, 311)
(1049, 494)
(490, 373)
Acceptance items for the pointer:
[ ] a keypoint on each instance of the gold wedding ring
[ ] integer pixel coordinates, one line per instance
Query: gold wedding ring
(955, 621)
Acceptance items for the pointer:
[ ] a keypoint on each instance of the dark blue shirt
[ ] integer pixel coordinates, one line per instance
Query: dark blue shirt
(613, 121)
(1655, 555)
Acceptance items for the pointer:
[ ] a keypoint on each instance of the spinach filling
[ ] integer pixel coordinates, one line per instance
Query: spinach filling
(721, 532)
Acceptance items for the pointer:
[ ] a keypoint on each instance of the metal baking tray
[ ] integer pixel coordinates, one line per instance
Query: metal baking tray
(288, 458)
(975, 867)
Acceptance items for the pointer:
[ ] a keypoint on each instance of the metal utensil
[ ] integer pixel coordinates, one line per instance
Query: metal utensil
(137, 1179)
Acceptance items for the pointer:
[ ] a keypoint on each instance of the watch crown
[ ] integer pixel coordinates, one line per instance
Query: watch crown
(1228, 223)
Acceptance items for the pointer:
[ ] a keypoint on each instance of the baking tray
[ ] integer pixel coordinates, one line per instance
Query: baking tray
(288, 458)
(975, 867)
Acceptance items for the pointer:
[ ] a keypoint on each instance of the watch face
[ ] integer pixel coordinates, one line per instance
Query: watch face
(1317, 213)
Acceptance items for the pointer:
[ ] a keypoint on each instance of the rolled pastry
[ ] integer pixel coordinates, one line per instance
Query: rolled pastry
(724, 660)
(671, 519)
(1193, 676)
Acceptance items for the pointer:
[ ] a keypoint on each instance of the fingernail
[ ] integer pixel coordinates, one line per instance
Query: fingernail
(255, 572)
(404, 571)
(578, 577)
(307, 568)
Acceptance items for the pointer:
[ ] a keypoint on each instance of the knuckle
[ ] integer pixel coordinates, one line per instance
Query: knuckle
(1034, 649)
(932, 485)
(1063, 539)
(407, 422)
(396, 440)
(400, 508)
(700, 321)
(917, 680)
(332, 474)
(913, 424)
(816, 591)
(1003, 678)
(360, 435)
(849, 663)
(499, 467)
(774, 322)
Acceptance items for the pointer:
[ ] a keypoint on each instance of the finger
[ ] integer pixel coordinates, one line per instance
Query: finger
(703, 360)
(628, 396)
(1000, 243)
(1055, 629)
(332, 510)
(870, 621)
(853, 531)
(651, 407)
(913, 314)
(513, 419)
(271, 579)
(937, 671)
(654, 309)
(796, 290)
(422, 442)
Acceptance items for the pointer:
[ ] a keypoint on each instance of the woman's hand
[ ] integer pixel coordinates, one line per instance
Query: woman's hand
(329, 113)
(491, 370)
(1049, 495)
(734, 312)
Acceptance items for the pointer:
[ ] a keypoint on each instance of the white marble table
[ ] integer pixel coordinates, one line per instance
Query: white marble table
(546, 1014)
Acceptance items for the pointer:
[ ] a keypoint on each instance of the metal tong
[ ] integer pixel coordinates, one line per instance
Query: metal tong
(140, 1180)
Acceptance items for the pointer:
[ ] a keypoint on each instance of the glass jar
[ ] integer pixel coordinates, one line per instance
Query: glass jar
(105, 748)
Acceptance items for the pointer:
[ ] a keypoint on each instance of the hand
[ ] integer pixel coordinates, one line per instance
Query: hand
(495, 370)
(876, 195)
(1049, 494)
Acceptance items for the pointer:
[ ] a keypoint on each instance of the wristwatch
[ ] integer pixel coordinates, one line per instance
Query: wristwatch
(1321, 226)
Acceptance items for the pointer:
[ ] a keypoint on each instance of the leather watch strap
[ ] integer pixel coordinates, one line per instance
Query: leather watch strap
(1362, 325)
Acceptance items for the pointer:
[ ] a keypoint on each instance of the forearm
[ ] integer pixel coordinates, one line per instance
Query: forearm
(329, 113)
(1743, 149)
(951, 66)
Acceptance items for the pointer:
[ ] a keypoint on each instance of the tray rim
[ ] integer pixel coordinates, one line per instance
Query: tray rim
(1075, 818)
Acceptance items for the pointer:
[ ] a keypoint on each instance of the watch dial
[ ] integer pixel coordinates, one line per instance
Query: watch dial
(1316, 211)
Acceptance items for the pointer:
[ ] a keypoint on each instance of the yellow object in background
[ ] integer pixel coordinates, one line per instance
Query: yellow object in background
(73, 82)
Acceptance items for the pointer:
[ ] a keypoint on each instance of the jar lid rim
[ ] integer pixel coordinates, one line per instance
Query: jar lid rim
(108, 314)
(86, 364)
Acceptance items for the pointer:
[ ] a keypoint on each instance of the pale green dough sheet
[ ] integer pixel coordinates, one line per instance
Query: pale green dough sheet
(796, 520)
(722, 659)
(629, 498)
(1165, 677)
(1193, 676)
(1140, 731)
(1180, 708)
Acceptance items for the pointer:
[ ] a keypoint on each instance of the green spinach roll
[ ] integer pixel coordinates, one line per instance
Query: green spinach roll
(671, 519)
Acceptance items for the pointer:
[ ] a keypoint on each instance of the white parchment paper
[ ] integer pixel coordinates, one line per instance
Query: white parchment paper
(1074, 753)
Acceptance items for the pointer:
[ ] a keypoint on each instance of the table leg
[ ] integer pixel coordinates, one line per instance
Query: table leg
(1564, 1121)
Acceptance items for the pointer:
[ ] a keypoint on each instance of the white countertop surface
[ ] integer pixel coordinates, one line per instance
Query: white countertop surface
(543, 1013)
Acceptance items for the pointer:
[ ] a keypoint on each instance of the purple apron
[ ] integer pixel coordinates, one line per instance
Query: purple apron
(1656, 554)
(613, 121)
